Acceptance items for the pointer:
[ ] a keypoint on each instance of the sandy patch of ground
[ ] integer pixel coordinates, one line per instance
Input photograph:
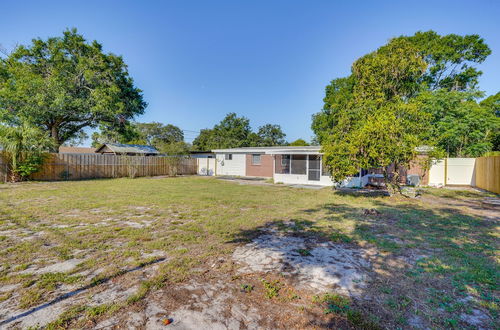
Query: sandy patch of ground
(322, 266)
(111, 289)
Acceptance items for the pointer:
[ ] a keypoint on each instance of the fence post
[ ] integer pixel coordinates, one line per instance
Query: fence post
(445, 171)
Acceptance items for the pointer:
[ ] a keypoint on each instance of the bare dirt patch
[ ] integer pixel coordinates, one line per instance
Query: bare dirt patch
(322, 266)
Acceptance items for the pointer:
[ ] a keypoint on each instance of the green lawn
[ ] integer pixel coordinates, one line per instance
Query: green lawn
(446, 240)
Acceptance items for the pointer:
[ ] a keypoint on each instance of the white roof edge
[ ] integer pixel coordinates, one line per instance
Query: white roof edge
(293, 152)
(270, 150)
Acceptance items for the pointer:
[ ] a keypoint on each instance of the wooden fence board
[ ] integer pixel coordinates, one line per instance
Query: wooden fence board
(488, 173)
(89, 166)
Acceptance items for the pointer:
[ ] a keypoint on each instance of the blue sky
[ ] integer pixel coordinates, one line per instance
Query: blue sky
(267, 60)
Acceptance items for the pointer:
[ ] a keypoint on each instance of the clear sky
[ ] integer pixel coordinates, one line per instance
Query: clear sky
(267, 60)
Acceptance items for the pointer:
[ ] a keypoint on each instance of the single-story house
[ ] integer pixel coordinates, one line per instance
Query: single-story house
(291, 165)
(76, 150)
(286, 164)
(127, 149)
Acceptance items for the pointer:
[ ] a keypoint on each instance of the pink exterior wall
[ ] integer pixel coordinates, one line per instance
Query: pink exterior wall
(265, 169)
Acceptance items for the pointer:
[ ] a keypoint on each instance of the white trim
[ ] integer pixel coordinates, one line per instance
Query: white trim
(271, 150)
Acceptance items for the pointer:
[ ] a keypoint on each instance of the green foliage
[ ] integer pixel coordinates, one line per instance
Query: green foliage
(272, 288)
(492, 104)
(154, 134)
(247, 288)
(416, 90)
(231, 132)
(174, 148)
(64, 84)
(24, 147)
(450, 59)
(299, 143)
(77, 140)
(121, 133)
(375, 123)
(271, 135)
(235, 132)
(338, 96)
(461, 126)
(336, 304)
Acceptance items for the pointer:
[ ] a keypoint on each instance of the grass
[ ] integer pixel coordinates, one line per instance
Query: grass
(117, 224)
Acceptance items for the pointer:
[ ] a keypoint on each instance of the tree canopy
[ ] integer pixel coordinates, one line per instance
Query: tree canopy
(271, 135)
(64, 84)
(235, 132)
(299, 143)
(414, 90)
(154, 134)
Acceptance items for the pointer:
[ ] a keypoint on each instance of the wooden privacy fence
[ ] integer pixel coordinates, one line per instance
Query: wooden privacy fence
(89, 166)
(488, 173)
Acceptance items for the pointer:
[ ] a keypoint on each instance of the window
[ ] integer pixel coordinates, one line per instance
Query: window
(228, 157)
(256, 159)
(299, 164)
(282, 164)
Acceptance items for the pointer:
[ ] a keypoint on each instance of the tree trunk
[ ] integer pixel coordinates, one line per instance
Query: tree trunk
(54, 134)
(392, 181)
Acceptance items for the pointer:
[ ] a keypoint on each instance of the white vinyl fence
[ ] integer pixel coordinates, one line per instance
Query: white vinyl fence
(453, 171)
(206, 166)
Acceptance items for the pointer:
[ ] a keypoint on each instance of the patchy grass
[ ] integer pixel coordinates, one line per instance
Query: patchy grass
(437, 255)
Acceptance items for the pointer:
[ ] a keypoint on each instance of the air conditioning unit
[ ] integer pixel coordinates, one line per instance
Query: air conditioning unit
(413, 180)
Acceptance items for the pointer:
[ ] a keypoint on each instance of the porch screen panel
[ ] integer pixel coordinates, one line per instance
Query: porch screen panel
(314, 167)
(282, 164)
(299, 164)
(324, 168)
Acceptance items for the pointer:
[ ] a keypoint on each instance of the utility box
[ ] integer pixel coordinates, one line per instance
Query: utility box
(413, 180)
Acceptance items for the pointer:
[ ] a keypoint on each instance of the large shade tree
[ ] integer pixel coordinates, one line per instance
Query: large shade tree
(234, 131)
(270, 135)
(152, 134)
(64, 84)
(419, 89)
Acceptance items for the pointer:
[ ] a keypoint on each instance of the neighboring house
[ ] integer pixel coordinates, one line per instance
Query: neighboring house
(290, 165)
(76, 150)
(127, 149)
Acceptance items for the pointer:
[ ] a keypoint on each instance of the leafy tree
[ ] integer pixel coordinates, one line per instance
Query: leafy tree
(121, 133)
(178, 148)
(76, 140)
(492, 104)
(338, 96)
(24, 147)
(153, 134)
(156, 133)
(376, 124)
(231, 132)
(206, 140)
(299, 143)
(450, 59)
(64, 84)
(235, 132)
(461, 127)
(270, 135)
(422, 88)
